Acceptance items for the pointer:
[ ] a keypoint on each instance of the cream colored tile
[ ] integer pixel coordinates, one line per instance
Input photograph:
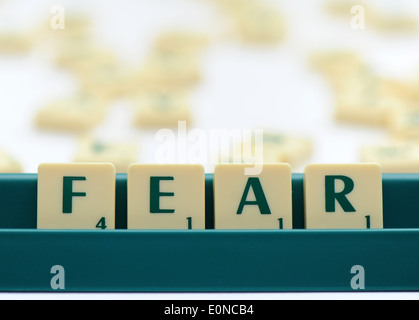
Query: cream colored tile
(162, 109)
(166, 197)
(15, 43)
(120, 154)
(343, 196)
(82, 56)
(262, 201)
(277, 148)
(77, 114)
(259, 22)
(404, 123)
(76, 196)
(181, 42)
(9, 164)
(362, 99)
(394, 157)
(396, 23)
(343, 7)
(107, 81)
(336, 65)
(170, 70)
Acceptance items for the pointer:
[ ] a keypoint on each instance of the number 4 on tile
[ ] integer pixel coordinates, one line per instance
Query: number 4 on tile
(101, 224)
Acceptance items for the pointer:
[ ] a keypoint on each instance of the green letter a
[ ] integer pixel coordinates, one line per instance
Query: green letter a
(261, 202)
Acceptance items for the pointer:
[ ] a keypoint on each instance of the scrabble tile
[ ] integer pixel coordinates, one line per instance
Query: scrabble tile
(181, 42)
(363, 100)
(262, 201)
(108, 81)
(259, 23)
(78, 24)
(343, 196)
(76, 114)
(394, 157)
(396, 23)
(81, 57)
(166, 197)
(161, 109)
(121, 155)
(342, 7)
(335, 65)
(76, 196)
(15, 43)
(164, 69)
(9, 164)
(278, 148)
(404, 123)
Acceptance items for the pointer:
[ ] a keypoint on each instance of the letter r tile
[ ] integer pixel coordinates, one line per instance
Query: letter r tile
(166, 197)
(343, 196)
(76, 196)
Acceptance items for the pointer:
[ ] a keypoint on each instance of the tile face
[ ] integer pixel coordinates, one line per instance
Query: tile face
(181, 42)
(276, 148)
(364, 99)
(256, 22)
(394, 157)
(404, 123)
(162, 109)
(75, 114)
(15, 43)
(336, 66)
(343, 196)
(261, 201)
(121, 155)
(169, 70)
(166, 197)
(76, 196)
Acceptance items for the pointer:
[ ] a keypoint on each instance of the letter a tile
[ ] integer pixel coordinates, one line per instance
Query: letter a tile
(343, 196)
(253, 200)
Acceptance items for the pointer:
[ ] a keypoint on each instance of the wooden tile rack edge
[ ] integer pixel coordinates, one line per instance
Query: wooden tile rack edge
(210, 260)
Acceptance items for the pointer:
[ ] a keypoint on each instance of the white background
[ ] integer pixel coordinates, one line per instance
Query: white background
(243, 87)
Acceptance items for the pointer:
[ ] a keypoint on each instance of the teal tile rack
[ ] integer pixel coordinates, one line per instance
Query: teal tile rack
(208, 260)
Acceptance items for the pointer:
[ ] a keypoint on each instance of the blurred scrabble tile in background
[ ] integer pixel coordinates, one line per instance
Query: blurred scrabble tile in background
(81, 57)
(15, 43)
(259, 22)
(394, 157)
(393, 23)
(259, 200)
(76, 114)
(76, 196)
(166, 197)
(120, 154)
(109, 81)
(276, 148)
(384, 21)
(162, 109)
(404, 123)
(170, 70)
(335, 65)
(364, 99)
(182, 42)
(342, 7)
(9, 164)
(255, 22)
(343, 196)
